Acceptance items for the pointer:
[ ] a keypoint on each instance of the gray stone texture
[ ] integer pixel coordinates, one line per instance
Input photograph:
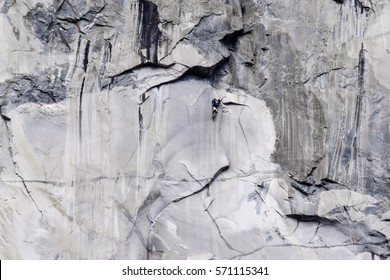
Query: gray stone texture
(108, 149)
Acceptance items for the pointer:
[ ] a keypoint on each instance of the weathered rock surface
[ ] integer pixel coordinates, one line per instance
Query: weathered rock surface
(108, 149)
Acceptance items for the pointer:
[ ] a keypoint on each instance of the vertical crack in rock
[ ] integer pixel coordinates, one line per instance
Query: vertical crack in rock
(81, 110)
(361, 70)
(140, 124)
(6, 120)
(363, 8)
(86, 53)
(358, 110)
(141, 132)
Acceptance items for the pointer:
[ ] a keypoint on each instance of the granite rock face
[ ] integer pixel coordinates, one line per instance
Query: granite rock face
(108, 149)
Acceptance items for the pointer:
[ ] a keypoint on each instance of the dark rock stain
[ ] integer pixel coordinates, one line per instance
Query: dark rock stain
(40, 22)
(141, 123)
(33, 88)
(81, 108)
(361, 6)
(231, 39)
(149, 34)
(86, 53)
(359, 100)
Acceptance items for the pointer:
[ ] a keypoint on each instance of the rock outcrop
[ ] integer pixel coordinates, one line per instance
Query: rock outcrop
(108, 149)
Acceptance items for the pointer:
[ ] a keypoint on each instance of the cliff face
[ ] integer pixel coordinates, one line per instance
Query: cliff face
(108, 149)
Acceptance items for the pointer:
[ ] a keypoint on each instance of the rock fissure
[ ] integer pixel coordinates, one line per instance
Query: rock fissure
(310, 247)
(15, 168)
(86, 54)
(192, 176)
(362, 6)
(214, 222)
(131, 165)
(326, 73)
(80, 117)
(28, 192)
(218, 173)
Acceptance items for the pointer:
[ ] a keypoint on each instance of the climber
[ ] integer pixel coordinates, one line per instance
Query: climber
(215, 104)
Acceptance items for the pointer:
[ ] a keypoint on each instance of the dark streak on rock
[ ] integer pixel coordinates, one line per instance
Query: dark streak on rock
(140, 123)
(86, 53)
(109, 51)
(81, 108)
(304, 187)
(4, 117)
(326, 73)
(48, 93)
(308, 188)
(149, 34)
(219, 172)
(12, 155)
(78, 46)
(28, 192)
(359, 5)
(361, 70)
(359, 103)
